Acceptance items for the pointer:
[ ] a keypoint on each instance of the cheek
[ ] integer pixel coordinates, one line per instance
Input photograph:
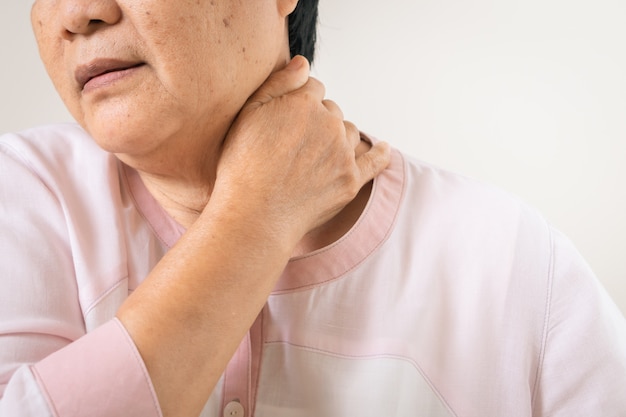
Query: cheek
(62, 80)
(44, 33)
(52, 55)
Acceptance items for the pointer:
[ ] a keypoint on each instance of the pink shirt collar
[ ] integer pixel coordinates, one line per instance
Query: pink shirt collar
(323, 265)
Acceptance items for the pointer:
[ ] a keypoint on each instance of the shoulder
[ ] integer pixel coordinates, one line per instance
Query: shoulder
(460, 193)
(450, 207)
(62, 158)
(55, 147)
(452, 219)
(69, 220)
(472, 245)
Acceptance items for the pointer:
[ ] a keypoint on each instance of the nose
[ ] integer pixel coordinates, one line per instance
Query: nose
(82, 17)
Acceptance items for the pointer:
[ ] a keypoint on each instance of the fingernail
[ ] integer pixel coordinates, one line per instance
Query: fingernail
(296, 63)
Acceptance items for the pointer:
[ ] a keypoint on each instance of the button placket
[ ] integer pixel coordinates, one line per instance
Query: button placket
(234, 409)
(242, 373)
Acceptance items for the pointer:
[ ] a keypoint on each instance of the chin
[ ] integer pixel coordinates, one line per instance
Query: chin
(119, 139)
(122, 131)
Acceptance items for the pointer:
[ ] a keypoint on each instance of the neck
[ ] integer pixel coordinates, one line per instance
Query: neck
(337, 227)
(184, 196)
(182, 200)
(181, 182)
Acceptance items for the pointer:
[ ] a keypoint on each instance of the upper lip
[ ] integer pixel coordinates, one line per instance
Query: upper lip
(97, 67)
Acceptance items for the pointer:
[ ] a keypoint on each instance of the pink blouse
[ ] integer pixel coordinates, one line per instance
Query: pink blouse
(447, 298)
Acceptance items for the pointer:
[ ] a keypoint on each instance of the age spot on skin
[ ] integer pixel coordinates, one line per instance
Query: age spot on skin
(151, 21)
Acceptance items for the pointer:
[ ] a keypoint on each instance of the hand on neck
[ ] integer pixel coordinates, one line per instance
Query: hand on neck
(184, 199)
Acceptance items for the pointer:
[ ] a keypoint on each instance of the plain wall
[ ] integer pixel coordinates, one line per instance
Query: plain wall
(527, 94)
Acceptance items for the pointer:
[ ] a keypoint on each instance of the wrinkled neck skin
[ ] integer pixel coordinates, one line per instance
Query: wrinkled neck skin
(184, 197)
(185, 190)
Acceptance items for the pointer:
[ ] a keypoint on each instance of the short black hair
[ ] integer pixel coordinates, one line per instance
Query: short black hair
(303, 29)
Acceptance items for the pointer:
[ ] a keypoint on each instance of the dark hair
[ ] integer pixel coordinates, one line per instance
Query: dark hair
(303, 29)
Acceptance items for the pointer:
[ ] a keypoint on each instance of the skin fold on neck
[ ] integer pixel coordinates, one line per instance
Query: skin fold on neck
(185, 200)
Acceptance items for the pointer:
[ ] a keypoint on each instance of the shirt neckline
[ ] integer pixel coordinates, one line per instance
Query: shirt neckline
(318, 267)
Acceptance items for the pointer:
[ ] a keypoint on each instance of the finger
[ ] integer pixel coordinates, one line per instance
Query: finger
(374, 161)
(294, 76)
(333, 108)
(353, 134)
(313, 88)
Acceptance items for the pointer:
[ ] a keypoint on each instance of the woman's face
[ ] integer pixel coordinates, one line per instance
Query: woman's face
(144, 75)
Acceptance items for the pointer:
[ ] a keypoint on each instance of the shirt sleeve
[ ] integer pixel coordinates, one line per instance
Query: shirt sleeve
(48, 365)
(99, 375)
(583, 371)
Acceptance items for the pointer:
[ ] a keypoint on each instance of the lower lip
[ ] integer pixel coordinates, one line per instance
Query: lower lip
(109, 78)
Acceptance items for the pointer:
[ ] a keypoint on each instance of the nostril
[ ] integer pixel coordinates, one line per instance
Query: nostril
(67, 34)
(81, 28)
(83, 17)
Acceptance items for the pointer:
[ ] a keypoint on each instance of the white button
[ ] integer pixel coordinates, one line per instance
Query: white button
(233, 409)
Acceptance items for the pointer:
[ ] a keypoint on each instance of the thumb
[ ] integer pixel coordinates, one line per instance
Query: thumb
(292, 77)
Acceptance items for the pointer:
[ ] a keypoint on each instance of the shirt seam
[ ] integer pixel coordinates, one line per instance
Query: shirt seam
(546, 322)
(142, 366)
(103, 295)
(412, 361)
(44, 390)
(14, 154)
(137, 206)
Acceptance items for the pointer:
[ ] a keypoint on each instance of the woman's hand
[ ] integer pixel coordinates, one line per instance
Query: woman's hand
(290, 157)
(287, 166)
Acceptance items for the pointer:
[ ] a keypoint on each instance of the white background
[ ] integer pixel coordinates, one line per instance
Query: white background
(527, 94)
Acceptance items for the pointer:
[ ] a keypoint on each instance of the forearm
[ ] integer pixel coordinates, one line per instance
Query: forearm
(183, 318)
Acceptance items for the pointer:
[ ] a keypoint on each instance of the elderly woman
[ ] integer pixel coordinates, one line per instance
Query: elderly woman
(209, 243)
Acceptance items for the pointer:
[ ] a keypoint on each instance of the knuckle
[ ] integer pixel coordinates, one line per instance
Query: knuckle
(352, 130)
(313, 84)
(352, 185)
